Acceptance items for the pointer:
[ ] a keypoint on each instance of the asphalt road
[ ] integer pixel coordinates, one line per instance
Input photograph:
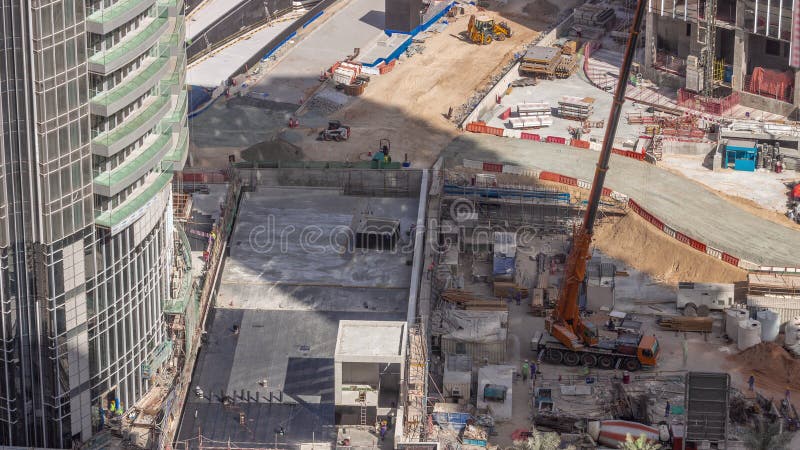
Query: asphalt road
(685, 205)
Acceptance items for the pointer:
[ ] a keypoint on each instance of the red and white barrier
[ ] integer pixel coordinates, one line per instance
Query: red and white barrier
(633, 206)
(482, 128)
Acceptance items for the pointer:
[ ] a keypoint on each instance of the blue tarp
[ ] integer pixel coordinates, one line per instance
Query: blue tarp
(197, 96)
(503, 265)
(456, 419)
(275, 49)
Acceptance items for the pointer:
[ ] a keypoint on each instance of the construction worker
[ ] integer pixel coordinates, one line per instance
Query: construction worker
(751, 382)
(667, 409)
(526, 370)
(384, 427)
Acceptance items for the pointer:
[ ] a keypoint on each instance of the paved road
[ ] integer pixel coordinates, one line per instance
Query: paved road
(355, 25)
(682, 203)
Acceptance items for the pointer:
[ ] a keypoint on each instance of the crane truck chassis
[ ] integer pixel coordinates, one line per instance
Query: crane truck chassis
(570, 338)
(628, 352)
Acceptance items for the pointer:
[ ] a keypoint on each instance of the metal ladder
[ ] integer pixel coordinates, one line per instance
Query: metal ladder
(362, 398)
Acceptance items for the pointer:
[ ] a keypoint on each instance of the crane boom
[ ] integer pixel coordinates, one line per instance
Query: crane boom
(565, 323)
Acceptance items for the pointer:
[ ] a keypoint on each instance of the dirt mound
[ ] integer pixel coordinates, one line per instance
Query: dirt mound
(637, 243)
(771, 361)
(276, 149)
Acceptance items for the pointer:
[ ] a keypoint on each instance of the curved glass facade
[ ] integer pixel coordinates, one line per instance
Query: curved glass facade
(92, 126)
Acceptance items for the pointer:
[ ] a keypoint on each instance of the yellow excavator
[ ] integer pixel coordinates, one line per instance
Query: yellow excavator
(482, 30)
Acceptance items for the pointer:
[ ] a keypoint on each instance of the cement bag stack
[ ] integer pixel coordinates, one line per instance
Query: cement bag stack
(749, 334)
(770, 324)
(732, 318)
(792, 338)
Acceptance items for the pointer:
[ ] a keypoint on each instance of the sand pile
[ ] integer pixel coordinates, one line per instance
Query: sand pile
(771, 361)
(640, 245)
(276, 149)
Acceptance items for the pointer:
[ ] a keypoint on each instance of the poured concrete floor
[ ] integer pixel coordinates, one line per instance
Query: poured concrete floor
(286, 300)
(357, 24)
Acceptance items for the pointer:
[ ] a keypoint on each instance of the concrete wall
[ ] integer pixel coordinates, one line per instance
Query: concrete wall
(767, 104)
(672, 36)
(599, 296)
(495, 352)
(244, 16)
(489, 101)
(394, 182)
(687, 148)
(758, 57)
(360, 373)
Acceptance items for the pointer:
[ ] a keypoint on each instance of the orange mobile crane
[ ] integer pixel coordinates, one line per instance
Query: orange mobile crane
(570, 339)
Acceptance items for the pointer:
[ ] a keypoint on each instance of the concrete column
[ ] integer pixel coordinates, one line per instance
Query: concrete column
(796, 101)
(337, 382)
(650, 40)
(740, 39)
(694, 46)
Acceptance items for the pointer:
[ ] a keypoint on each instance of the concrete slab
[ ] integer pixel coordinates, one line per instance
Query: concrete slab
(212, 70)
(381, 340)
(301, 236)
(355, 25)
(209, 11)
(768, 189)
(382, 47)
(685, 205)
(292, 351)
(551, 91)
(275, 369)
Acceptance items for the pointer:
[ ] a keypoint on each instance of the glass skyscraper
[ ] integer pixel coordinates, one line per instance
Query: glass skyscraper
(92, 127)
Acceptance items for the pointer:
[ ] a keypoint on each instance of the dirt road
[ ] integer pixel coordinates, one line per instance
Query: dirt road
(408, 105)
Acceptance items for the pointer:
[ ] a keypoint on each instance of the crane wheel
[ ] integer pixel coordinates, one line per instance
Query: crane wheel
(703, 311)
(631, 365)
(589, 360)
(605, 362)
(572, 359)
(690, 310)
(553, 356)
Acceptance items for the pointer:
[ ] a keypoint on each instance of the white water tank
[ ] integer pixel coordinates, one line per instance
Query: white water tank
(770, 324)
(749, 334)
(732, 318)
(792, 338)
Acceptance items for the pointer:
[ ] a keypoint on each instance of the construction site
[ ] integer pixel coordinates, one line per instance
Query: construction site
(457, 226)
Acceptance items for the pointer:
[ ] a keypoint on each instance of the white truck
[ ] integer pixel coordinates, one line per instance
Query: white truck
(699, 299)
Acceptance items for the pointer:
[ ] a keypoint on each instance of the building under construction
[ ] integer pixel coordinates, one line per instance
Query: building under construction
(735, 51)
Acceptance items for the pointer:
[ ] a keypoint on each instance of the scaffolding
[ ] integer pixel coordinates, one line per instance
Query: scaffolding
(535, 208)
(416, 399)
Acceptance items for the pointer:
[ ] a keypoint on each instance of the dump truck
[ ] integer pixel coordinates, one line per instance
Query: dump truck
(483, 30)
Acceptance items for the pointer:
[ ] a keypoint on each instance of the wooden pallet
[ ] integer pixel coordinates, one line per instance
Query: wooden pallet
(681, 323)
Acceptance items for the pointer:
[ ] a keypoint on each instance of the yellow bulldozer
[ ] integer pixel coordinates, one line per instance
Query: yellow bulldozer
(482, 30)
